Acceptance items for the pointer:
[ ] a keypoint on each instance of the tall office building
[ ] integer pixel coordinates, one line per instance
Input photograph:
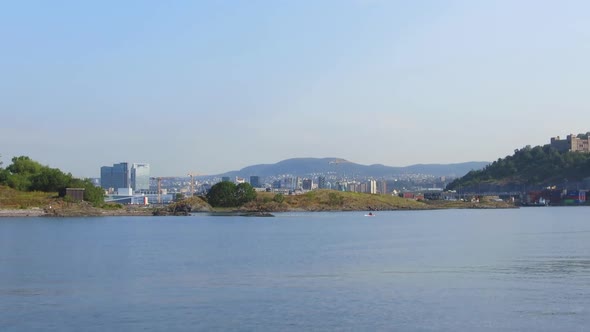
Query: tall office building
(298, 183)
(255, 181)
(225, 178)
(307, 184)
(140, 176)
(116, 176)
(289, 183)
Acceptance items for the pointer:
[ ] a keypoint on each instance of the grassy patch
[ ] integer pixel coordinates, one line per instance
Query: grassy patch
(14, 199)
(331, 200)
(111, 206)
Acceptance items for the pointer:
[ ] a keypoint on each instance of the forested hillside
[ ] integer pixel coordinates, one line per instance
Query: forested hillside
(537, 166)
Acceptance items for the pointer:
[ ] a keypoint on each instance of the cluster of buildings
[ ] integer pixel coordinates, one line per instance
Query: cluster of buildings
(574, 143)
(289, 184)
(301, 184)
(129, 183)
(553, 196)
(124, 176)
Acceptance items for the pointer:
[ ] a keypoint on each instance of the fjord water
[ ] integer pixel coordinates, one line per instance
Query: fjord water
(447, 270)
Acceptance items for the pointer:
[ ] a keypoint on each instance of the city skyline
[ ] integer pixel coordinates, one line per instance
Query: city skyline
(211, 87)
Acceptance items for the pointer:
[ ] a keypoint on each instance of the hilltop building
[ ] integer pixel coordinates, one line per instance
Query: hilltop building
(571, 143)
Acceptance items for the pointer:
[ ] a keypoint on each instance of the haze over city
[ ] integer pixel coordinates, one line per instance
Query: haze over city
(211, 86)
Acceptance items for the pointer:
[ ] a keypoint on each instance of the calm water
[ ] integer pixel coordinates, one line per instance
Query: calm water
(469, 270)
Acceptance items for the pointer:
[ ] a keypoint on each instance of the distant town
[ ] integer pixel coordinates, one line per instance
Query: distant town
(127, 182)
(132, 183)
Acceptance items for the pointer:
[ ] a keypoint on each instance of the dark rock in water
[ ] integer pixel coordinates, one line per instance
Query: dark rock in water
(177, 209)
(181, 213)
(241, 214)
(257, 214)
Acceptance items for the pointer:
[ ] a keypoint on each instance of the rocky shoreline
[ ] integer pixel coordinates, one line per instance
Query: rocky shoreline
(34, 212)
(89, 211)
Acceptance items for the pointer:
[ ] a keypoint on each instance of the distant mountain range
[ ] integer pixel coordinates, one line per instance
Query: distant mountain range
(309, 166)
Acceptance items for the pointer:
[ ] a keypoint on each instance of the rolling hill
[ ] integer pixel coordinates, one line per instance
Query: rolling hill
(310, 166)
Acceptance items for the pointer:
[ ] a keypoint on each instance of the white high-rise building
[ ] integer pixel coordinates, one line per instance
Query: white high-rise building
(372, 186)
(140, 176)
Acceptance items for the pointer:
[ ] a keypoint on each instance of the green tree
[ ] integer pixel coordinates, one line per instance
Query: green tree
(18, 174)
(245, 193)
(19, 181)
(227, 194)
(24, 165)
(222, 194)
(3, 174)
(49, 180)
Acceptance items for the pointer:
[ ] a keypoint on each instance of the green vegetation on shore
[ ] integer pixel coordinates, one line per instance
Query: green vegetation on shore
(50, 204)
(26, 184)
(27, 175)
(321, 200)
(228, 194)
(331, 200)
(15, 199)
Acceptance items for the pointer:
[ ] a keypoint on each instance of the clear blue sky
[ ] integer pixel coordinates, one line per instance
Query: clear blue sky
(213, 86)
